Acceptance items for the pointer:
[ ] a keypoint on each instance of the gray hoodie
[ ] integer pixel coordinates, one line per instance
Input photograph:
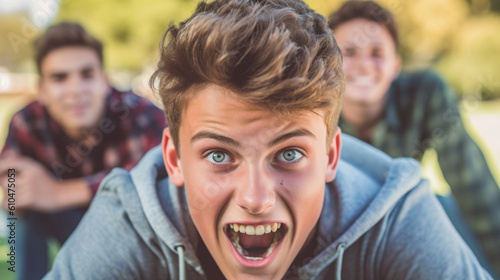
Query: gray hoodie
(379, 221)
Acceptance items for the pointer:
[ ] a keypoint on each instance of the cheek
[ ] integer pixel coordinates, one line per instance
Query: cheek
(53, 100)
(206, 193)
(304, 197)
(99, 102)
(346, 65)
(97, 91)
(387, 68)
(206, 199)
(53, 92)
(305, 190)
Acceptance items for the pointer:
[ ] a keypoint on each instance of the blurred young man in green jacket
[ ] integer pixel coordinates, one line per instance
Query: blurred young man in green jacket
(403, 115)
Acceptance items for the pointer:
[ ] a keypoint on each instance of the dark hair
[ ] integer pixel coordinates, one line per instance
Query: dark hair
(61, 35)
(368, 10)
(276, 54)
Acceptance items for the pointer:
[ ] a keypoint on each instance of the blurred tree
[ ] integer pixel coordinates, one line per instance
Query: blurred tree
(483, 6)
(130, 29)
(426, 28)
(472, 65)
(17, 33)
(430, 32)
(324, 7)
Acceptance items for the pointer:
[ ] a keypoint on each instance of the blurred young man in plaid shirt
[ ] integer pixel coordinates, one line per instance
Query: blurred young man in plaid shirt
(62, 145)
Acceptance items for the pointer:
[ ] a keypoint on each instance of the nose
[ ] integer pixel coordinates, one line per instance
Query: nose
(256, 193)
(363, 63)
(75, 86)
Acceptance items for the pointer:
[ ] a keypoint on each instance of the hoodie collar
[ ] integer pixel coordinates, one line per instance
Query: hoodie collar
(165, 207)
(361, 195)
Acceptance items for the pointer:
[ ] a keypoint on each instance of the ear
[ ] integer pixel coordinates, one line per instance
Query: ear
(171, 159)
(397, 66)
(106, 79)
(333, 156)
(40, 91)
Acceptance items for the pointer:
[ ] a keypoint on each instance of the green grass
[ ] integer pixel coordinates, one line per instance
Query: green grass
(6, 274)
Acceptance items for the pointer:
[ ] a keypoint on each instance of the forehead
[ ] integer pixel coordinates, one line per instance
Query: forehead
(222, 110)
(361, 32)
(69, 59)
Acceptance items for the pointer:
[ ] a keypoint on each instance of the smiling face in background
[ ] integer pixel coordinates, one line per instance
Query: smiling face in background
(371, 61)
(254, 180)
(73, 88)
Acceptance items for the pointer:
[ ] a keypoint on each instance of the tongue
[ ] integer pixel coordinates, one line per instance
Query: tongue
(256, 241)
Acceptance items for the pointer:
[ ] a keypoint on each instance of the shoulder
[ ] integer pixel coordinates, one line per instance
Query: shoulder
(423, 77)
(126, 105)
(364, 157)
(439, 251)
(417, 94)
(119, 183)
(29, 125)
(426, 82)
(106, 243)
(29, 113)
(117, 179)
(130, 100)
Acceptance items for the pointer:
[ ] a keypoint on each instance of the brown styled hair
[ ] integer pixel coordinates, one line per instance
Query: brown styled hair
(368, 10)
(276, 54)
(64, 34)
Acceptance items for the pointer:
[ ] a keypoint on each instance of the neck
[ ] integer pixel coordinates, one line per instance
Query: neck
(74, 134)
(363, 117)
(81, 134)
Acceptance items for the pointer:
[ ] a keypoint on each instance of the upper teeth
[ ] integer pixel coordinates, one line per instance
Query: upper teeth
(362, 80)
(255, 230)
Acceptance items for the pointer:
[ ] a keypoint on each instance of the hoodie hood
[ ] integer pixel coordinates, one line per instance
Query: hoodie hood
(164, 206)
(367, 186)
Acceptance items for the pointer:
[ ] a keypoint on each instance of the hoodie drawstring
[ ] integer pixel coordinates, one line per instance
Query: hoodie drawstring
(182, 268)
(340, 248)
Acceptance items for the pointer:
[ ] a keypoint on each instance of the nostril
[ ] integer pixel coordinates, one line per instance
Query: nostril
(252, 210)
(256, 208)
(256, 194)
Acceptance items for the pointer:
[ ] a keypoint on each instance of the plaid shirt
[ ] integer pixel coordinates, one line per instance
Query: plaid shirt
(422, 113)
(130, 127)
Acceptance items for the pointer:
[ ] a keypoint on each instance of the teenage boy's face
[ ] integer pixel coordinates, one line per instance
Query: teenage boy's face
(73, 88)
(370, 60)
(254, 180)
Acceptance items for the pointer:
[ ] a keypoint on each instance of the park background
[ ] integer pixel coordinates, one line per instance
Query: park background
(460, 39)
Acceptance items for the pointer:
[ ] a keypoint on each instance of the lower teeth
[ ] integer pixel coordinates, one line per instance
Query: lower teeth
(236, 243)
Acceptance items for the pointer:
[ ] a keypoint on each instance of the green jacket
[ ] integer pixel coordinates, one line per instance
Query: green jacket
(422, 113)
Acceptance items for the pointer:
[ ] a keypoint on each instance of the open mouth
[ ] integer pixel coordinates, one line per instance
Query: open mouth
(256, 242)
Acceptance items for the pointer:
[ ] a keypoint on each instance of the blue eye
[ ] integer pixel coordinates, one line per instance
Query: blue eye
(291, 155)
(218, 157)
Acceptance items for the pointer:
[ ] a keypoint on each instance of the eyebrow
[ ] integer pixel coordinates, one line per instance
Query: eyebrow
(58, 74)
(226, 140)
(354, 45)
(215, 136)
(85, 68)
(291, 134)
